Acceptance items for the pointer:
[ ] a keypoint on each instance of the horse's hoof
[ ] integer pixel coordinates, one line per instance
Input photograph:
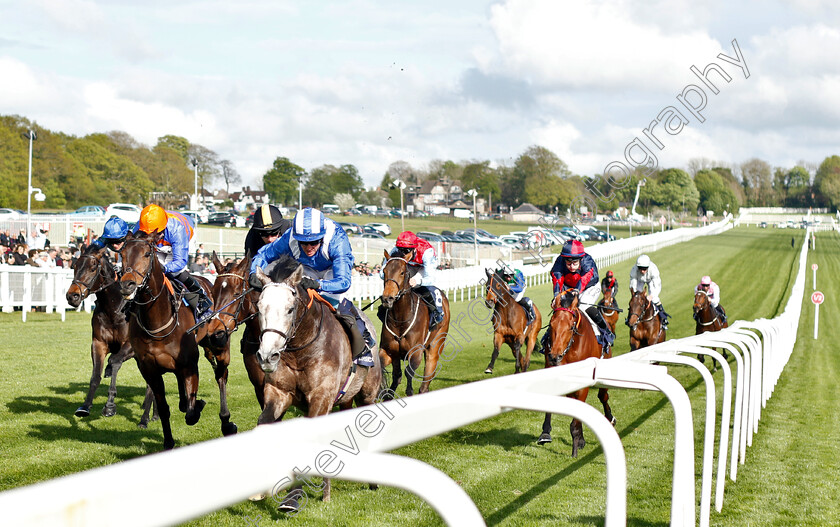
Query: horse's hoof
(612, 421)
(193, 417)
(143, 424)
(488, 370)
(168, 444)
(229, 429)
(289, 504)
(82, 411)
(109, 410)
(544, 438)
(107, 372)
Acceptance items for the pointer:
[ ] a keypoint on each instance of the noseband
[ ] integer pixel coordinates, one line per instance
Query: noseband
(575, 313)
(639, 316)
(401, 288)
(239, 307)
(99, 275)
(144, 283)
(297, 320)
(708, 304)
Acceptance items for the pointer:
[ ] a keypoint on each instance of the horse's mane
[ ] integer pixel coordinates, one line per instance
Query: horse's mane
(283, 268)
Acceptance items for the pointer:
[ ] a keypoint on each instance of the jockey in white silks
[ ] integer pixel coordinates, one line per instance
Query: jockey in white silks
(645, 273)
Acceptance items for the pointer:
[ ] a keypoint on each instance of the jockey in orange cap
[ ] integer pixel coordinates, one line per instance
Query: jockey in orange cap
(174, 252)
(420, 254)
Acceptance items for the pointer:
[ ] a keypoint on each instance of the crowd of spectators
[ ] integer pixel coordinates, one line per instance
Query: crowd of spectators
(35, 251)
(365, 269)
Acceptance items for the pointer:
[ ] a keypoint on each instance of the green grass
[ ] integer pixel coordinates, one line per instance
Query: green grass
(791, 476)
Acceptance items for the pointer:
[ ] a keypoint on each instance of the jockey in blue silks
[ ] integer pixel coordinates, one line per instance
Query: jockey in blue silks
(516, 283)
(576, 270)
(113, 235)
(322, 247)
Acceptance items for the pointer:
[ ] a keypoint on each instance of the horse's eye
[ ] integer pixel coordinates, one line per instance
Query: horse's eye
(290, 310)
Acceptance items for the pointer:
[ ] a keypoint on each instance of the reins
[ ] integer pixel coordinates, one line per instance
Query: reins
(144, 285)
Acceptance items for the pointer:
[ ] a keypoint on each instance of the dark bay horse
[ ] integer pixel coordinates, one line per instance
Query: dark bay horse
(509, 323)
(706, 319)
(94, 275)
(405, 330)
(572, 340)
(645, 328)
(236, 304)
(158, 329)
(306, 355)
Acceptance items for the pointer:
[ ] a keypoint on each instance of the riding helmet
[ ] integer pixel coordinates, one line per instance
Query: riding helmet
(115, 229)
(572, 249)
(308, 225)
(643, 261)
(153, 218)
(407, 240)
(268, 218)
(706, 280)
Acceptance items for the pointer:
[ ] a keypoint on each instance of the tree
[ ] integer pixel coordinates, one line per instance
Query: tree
(757, 178)
(282, 180)
(541, 173)
(229, 174)
(480, 176)
(177, 143)
(827, 180)
(674, 189)
(714, 193)
(345, 201)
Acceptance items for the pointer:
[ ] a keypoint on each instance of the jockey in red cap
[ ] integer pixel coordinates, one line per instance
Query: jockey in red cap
(421, 255)
(574, 269)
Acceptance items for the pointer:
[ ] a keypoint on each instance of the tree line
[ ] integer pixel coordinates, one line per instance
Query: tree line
(103, 168)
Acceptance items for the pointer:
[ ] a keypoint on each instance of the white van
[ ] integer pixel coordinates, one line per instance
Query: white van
(330, 208)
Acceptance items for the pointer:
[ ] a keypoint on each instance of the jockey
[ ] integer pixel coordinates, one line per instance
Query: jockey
(644, 273)
(712, 290)
(322, 247)
(516, 283)
(420, 254)
(609, 283)
(574, 269)
(113, 235)
(174, 252)
(269, 225)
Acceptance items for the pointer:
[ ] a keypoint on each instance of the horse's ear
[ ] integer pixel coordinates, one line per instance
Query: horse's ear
(216, 262)
(263, 277)
(386, 254)
(296, 277)
(156, 236)
(487, 272)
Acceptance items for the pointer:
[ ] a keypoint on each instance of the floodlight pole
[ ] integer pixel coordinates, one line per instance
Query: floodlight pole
(195, 185)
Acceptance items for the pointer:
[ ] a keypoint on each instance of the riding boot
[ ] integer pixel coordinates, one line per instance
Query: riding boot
(360, 338)
(545, 342)
(197, 297)
(606, 334)
(529, 309)
(721, 313)
(432, 293)
(663, 316)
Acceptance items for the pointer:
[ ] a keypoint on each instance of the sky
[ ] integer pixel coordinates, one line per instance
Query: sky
(369, 83)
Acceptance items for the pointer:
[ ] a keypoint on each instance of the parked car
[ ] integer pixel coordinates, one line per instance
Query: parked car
(482, 235)
(383, 213)
(515, 242)
(421, 214)
(372, 236)
(383, 228)
(430, 236)
(763, 224)
(200, 216)
(128, 212)
(226, 218)
(11, 214)
(350, 228)
(396, 213)
(352, 212)
(93, 211)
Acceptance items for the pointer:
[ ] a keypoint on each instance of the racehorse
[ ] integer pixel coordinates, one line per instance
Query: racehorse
(645, 328)
(405, 329)
(306, 355)
(609, 308)
(158, 327)
(236, 304)
(510, 323)
(707, 319)
(94, 275)
(572, 340)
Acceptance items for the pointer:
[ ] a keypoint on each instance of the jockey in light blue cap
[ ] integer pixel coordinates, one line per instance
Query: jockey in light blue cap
(322, 247)
(113, 235)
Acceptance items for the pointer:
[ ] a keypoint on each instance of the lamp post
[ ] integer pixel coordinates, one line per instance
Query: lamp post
(195, 193)
(400, 184)
(40, 195)
(300, 192)
(473, 192)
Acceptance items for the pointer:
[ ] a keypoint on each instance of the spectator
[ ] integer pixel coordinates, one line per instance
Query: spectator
(21, 239)
(38, 240)
(56, 257)
(197, 266)
(6, 239)
(44, 260)
(199, 252)
(31, 256)
(18, 256)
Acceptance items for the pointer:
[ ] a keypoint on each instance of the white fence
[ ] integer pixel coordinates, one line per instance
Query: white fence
(761, 349)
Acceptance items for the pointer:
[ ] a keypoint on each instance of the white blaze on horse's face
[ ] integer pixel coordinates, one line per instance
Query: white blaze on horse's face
(277, 317)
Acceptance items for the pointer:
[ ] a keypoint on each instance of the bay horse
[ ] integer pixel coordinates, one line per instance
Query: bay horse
(306, 355)
(510, 323)
(95, 275)
(158, 327)
(643, 321)
(236, 304)
(405, 329)
(706, 319)
(609, 308)
(572, 340)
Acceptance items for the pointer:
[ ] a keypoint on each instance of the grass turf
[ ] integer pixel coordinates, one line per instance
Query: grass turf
(790, 477)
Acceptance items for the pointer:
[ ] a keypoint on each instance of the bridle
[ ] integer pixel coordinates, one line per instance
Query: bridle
(144, 285)
(239, 306)
(296, 323)
(698, 310)
(576, 314)
(639, 316)
(402, 289)
(100, 275)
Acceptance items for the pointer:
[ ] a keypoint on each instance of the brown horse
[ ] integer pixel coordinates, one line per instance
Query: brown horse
(706, 318)
(158, 328)
(609, 308)
(510, 323)
(645, 328)
(306, 354)
(405, 329)
(94, 275)
(237, 304)
(572, 340)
